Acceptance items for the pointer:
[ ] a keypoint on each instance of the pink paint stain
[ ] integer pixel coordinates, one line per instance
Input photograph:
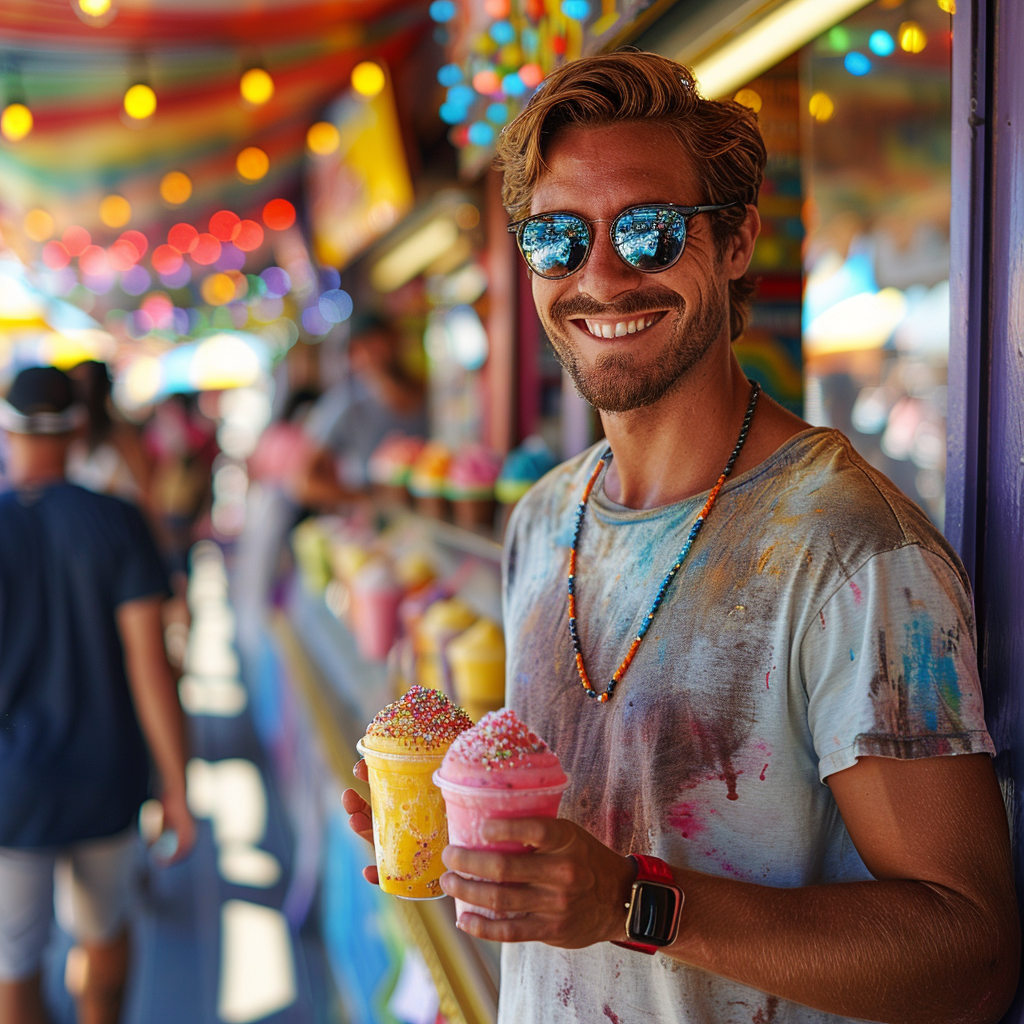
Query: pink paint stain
(763, 770)
(767, 677)
(821, 615)
(730, 777)
(683, 819)
(856, 592)
(611, 1015)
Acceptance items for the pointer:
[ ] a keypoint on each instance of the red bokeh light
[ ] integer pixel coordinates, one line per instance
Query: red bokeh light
(486, 82)
(532, 75)
(183, 237)
(166, 259)
(56, 255)
(224, 225)
(138, 239)
(122, 255)
(160, 310)
(207, 249)
(278, 214)
(248, 236)
(93, 261)
(77, 240)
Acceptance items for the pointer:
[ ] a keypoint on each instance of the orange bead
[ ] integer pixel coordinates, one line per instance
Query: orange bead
(603, 698)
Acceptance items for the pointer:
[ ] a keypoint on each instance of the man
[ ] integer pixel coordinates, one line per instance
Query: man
(82, 667)
(773, 751)
(352, 418)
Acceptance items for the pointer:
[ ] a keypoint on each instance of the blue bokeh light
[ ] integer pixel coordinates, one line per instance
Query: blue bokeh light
(450, 74)
(881, 43)
(513, 85)
(442, 10)
(503, 33)
(461, 95)
(576, 10)
(857, 63)
(452, 113)
(481, 133)
(498, 113)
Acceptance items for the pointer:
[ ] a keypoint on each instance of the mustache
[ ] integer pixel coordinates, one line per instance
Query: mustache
(577, 306)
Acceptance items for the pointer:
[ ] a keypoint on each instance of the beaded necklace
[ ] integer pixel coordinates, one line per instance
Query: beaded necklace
(588, 686)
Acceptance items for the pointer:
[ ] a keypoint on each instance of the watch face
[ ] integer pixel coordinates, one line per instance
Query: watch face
(654, 911)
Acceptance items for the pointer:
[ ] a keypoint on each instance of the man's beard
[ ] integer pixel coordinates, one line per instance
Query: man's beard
(622, 381)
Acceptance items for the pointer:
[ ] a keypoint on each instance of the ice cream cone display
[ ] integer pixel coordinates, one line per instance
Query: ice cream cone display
(376, 593)
(414, 570)
(470, 486)
(498, 769)
(403, 746)
(442, 622)
(427, 481)
(476, 660)
(522, 468)
(391, 465)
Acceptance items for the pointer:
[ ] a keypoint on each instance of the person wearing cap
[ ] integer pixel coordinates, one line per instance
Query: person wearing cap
(86, 699)
(376, 398)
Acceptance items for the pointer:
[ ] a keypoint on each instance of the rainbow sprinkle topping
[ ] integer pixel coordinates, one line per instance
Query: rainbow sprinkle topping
(499, 740)
(421, 716)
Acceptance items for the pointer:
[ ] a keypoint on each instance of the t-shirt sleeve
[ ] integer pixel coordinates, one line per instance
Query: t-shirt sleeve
(141, 571)
(890, 665)
(326, 422)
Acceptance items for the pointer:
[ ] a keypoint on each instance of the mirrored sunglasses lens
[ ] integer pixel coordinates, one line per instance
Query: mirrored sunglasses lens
(650, 237)
(555, 246)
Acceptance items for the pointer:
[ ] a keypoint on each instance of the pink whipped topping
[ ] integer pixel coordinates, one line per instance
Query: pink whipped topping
(392, 460)
(474, 468)
(501, 751)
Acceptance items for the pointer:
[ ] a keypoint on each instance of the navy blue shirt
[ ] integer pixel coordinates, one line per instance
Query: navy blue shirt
(73, 763)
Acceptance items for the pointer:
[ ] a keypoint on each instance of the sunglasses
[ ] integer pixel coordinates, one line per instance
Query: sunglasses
(649, 238)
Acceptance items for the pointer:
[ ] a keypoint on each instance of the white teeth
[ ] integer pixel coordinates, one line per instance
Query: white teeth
(618, 330)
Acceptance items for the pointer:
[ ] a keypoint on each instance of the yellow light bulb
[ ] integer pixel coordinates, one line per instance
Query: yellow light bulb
(949, 6)
(115, 211)
(139, 102)
(94, 8)
(218, 289)
(38, 225)
(749, 98)
(256, 86)
(821, 107)
(323, 138)
(15, 122)
(252, 163)
(175, 188)
(368, 78)
(912, 37)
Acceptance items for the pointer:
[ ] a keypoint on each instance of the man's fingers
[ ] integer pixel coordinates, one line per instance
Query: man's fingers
(354, 803)
(544, 834)
(359, 770)
(495, 867)
(522, 929)
(370, 874)
(503, 898)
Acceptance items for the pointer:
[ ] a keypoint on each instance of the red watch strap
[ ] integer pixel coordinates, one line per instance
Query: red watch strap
(652, 869)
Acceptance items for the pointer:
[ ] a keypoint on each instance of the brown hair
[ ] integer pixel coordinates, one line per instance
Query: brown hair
(720, 137)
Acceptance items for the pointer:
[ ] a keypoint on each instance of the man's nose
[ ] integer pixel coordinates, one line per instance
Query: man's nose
(605, 275)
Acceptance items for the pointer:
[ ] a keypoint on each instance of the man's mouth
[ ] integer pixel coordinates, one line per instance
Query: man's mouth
(618, 328)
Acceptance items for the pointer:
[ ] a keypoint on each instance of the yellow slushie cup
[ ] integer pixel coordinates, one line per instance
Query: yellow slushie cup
(477, 661)
(403, 746)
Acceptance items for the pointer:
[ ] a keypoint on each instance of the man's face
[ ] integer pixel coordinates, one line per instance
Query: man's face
(671, 318)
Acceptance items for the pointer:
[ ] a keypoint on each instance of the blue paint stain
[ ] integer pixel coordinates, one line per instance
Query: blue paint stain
(930, 672)
(662, 650)
(851, 654)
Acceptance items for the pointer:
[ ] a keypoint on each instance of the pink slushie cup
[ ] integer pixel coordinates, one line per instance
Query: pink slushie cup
(497, 769)
(376, 594)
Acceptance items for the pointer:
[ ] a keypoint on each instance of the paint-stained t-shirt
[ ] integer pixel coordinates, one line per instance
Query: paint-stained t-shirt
(818, 618)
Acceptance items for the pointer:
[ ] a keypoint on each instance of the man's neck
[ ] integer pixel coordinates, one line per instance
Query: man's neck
(678, 447)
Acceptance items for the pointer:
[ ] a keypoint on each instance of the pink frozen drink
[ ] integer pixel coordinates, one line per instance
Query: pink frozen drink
(499, 768)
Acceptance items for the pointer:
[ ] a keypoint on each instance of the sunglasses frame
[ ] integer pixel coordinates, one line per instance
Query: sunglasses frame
(686, 212)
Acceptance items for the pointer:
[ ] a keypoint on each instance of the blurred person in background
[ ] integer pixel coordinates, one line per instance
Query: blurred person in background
(376, 398)
(86, 698)
(108, 458)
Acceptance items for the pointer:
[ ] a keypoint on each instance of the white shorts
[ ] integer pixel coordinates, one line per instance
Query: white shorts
(88, 884)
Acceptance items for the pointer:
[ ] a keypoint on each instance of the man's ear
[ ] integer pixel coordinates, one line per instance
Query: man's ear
(740, 249)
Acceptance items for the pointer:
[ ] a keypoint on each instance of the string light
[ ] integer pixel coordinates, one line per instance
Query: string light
(749, 98)
(949, 6)
(15, 122)
(175, 188)
(912, 38)
(94, 8)
(821, 107)
(252, 163)
(115, 211)
(278, 214)
(323, 138)
(76, 240)
(38, 225)
(256, 86)
(368, 79)
(140, 102)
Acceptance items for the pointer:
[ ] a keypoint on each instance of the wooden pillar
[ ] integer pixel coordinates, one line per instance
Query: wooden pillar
(502, 291)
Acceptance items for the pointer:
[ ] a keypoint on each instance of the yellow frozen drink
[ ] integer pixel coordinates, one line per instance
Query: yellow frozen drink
(403, 746)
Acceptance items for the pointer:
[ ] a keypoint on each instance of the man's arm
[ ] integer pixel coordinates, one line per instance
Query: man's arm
(316, 485)
(158, 709)
(936, 937)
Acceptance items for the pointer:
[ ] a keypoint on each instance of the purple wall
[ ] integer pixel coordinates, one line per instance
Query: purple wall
(985, 483)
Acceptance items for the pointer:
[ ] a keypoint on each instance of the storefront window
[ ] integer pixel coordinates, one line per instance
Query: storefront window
(875, 100)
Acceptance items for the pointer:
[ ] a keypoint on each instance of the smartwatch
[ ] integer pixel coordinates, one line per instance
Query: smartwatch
(654, 907)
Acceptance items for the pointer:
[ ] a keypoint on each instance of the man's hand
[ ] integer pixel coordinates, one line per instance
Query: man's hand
(178, 818)
(572, 887)
(360, 817)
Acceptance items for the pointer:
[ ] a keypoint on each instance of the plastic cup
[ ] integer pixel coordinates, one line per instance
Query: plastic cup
(375, 617)
(469, 807)
(477, 663)
(409, 826)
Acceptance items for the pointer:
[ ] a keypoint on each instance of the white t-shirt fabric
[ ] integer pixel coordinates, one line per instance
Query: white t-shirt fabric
(819, 617)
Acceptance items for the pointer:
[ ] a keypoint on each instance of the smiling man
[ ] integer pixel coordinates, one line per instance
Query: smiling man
(754, 656)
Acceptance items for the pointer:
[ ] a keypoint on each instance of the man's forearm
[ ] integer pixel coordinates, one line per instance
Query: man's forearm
(893, 951)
